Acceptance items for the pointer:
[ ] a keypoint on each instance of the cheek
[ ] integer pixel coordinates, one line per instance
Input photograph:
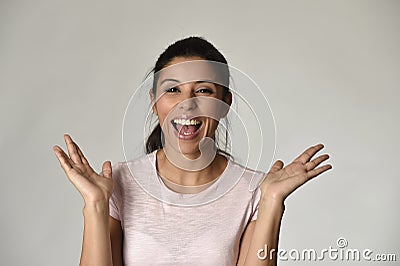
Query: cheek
(163, 109)
(213, 108)
(212, 125)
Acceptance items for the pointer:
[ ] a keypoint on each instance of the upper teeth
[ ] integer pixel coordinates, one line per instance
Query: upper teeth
(187, 122)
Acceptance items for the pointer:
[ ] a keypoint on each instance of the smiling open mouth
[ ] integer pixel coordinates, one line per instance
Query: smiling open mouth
(187, 128)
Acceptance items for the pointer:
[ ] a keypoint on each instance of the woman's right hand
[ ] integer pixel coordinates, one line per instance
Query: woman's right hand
(92, 186)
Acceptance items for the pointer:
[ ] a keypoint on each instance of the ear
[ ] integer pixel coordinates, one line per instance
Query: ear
(152, 97)
(228, 98)
(228, 101)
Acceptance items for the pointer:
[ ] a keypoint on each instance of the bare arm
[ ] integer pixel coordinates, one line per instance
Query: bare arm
(245, 242)
(96, 191)
(264, 235)
(116, 241)
(96, 246)
(278, 184)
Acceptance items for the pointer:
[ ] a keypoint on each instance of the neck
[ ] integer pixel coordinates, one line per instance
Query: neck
(184, 177)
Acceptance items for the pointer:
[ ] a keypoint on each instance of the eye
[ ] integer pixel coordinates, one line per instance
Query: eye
(173, 89)
(205, 90)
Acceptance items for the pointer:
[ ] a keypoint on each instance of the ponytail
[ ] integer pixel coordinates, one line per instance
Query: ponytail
(154, 140)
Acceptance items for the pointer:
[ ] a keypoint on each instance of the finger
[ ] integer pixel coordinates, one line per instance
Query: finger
(71, 146)
(107, 170)
(307, 154)
(297, 181)
(89, 170)
(65, 161)
(66, 164)
(83, 158)
(314, 163)
(317, 171)
(278, 165)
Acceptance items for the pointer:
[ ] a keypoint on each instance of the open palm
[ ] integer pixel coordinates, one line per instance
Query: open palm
(92, 186)
(281, 181)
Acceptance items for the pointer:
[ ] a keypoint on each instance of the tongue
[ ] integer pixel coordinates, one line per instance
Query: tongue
(188, 129)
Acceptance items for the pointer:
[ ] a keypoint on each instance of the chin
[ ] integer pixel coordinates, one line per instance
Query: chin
(189, 149)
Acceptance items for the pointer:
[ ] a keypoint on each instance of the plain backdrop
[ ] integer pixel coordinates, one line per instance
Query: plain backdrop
(330, 71)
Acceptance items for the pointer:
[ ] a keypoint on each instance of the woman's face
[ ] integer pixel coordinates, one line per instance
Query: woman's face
(188, 105)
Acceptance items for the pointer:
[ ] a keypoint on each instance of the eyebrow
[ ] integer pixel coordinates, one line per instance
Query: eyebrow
(166, 80)
(177, 81)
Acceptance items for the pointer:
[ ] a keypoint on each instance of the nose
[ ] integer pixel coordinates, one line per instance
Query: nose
(188, 104)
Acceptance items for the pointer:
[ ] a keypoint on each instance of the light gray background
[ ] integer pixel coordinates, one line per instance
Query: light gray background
(330, 70)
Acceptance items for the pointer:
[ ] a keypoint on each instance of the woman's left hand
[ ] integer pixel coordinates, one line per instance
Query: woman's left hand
(281, 181)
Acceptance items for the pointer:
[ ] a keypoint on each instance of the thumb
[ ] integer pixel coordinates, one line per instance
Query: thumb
(107, 170)
(278, 165)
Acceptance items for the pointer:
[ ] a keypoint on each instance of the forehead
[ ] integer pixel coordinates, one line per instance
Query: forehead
(191, 71)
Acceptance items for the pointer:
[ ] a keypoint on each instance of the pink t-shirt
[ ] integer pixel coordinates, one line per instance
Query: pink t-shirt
(160, 233)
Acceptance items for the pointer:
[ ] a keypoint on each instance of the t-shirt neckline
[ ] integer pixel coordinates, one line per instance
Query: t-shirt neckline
(210, 189)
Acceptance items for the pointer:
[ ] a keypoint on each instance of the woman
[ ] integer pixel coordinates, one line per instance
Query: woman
(124, 224)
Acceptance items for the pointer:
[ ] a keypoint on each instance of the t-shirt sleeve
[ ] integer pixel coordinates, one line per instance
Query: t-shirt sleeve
(256, 201)
(115, 199)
